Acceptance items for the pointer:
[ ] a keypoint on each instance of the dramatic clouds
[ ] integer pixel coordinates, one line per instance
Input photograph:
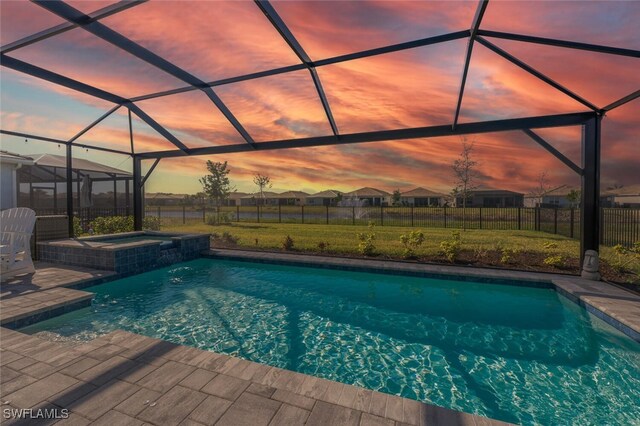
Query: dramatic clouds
(214, 40)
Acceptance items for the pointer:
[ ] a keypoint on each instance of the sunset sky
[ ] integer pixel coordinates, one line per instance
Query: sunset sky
(418, 87)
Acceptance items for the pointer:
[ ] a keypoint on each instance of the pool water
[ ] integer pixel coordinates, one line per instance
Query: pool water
(520, 354)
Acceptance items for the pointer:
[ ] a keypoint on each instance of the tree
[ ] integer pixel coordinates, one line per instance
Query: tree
(542, 188)
(574, 196)
(396, 197)
(216, 184)
(262, 182)
(465, 173)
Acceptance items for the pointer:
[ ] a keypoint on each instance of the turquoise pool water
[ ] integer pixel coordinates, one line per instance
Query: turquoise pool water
(520, 354)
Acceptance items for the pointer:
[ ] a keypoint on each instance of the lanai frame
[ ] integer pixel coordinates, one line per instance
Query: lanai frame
(590, 119)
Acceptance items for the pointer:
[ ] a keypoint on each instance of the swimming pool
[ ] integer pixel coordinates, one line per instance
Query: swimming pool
(521, 354)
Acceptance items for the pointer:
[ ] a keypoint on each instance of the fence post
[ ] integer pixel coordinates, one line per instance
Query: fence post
(258, 211)
(184, 214)
(445, 216)
(158, 213)
(381, 215)
(353, 215)
(327, 214)
(571, 223)
(302, 213)
(555, 221)
(519, 218)
(279, 213)
(237, 213)
(217, 214)
(412, 216)
(480, 214)
(204, 213)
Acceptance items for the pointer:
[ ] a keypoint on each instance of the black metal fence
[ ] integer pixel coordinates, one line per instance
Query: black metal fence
(618, 226)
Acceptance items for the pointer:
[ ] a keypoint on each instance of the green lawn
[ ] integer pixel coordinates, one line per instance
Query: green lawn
(525, 249)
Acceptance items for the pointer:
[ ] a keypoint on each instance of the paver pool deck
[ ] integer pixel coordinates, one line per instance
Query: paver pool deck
(128, 379)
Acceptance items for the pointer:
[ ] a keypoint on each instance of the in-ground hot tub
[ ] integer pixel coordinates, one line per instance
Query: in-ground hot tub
(127, 253)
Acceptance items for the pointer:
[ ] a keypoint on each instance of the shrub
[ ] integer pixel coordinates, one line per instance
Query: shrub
(550, 246)
(287, 243)
(322, 246)
(555, 260)
(229, 238)
(480, 252)
(366, 245)
(507, 255)
(218, 218)
(77, 227)
(112, 224)
(411, 242)
(450, 248)
(624, 257)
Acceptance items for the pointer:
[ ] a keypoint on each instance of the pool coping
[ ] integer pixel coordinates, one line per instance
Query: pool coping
(618, 307)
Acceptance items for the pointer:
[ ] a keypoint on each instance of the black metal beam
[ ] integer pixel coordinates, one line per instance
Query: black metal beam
(52, 77)
(275, 19)
(475, 25)
(153, 166)
(389, 135)
(112, 9)
(330, 61)
(561, 43)
(61, 142)
(71, 14)
(69, 169)
(590, 212)
(95, 123)
(550, 148)
(130, 131)
(137, 194)
(535, 73)
(622, 101)
(156, 126)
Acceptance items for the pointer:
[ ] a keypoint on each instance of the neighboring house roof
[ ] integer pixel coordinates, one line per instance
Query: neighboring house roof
(484, 190)
(52, 160)
(11, 158)
(291, 194)
(267, 194)
(561, 191)
(368, 192)
(625, 190)
(421, 192)
(237, 195)
(329, 193)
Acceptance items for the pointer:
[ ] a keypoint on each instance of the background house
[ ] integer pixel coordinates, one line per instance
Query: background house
(267, 198)
(329, 197)
(370, 196)
(9, 165)
(491, 197)
(422, 197)
(627, 196)
(290, 198)
(556, 197)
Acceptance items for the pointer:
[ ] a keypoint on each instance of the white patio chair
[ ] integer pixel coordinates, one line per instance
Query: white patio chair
(16, 227)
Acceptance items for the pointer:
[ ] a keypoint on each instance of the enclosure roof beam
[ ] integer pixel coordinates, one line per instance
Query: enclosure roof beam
(112, 9)
(475, 25)
(61, 142)
(546, 121)
(535, 73)
(561, 43)
(550, 148)
(329, 61)
(622, 101)
(153, 166)
(52, 77)
(71, 14)
(275, 19)
(156, 126)
(95, 123)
